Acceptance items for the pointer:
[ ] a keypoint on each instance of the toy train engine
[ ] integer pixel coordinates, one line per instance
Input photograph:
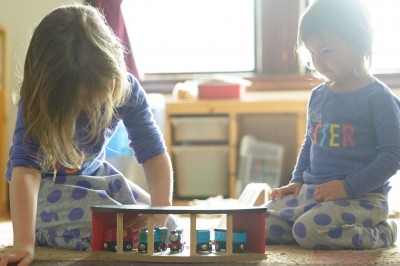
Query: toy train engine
(175, 241)
(160, 239)
(203, 241)
(239, 240)
(110, 239)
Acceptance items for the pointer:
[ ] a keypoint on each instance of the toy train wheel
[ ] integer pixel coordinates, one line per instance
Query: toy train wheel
(204, 247)
(162, 246)
(238, 248)
(142, 247)
(110, 246)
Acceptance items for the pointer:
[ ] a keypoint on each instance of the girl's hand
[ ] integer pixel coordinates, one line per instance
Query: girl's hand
(136, 223)
(160, 220)
(23, 256)
(140, 222)
(293, 188)
(332, 190)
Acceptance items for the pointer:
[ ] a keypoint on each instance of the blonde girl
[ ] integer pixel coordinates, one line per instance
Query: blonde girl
(75, 90)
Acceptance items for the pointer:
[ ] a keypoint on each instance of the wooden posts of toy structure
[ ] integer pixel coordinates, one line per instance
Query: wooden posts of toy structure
(120, 233)
(193, 236)
(229, 234)
(150, 234)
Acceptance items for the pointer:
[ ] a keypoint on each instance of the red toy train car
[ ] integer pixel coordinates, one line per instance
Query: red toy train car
(110, 239)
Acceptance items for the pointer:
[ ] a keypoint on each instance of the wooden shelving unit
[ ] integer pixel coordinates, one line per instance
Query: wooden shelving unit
(260, 104)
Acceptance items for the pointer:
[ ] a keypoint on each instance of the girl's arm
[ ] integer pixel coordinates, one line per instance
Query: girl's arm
(303, 158)
(158, 172)
(384, 111)
(24, 189)
(302, 162)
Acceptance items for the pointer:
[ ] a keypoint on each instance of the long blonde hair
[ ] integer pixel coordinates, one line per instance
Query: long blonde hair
(74, 67)
(349, 19)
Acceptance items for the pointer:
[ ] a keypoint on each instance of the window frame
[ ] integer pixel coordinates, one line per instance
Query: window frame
(277, 66)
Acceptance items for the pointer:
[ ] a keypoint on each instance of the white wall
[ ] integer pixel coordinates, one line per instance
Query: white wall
(19, 18)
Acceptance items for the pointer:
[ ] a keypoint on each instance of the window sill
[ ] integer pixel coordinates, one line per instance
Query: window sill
(166, 83)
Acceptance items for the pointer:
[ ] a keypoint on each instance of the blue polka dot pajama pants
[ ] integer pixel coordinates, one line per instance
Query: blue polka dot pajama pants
(64, 217)
(341, 224)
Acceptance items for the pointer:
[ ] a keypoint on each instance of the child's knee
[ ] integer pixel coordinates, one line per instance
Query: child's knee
(278, 230)
(310, 234)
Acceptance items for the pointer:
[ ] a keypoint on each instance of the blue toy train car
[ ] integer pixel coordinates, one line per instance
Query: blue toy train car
(160, 239)
(176, 241)
(203, 241)
(239, 240)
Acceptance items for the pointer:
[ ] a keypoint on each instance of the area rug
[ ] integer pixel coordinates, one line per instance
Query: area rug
(276, 255)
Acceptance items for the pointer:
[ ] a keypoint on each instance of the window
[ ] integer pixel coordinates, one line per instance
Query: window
(386, 53)
(264, 52)
(385, 15)
(191, 36)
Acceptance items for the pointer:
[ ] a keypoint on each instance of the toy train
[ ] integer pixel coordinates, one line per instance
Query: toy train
(239, 240)
(175, 240)
(130, 238)
(110, 239)
(203, 241)
(160, 239)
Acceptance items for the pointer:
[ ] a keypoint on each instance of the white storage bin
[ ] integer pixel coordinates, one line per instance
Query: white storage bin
(200, 171)
(259, 162)
(197, 129)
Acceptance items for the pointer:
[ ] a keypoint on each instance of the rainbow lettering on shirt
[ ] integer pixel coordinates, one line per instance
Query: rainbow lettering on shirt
(333, 135)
